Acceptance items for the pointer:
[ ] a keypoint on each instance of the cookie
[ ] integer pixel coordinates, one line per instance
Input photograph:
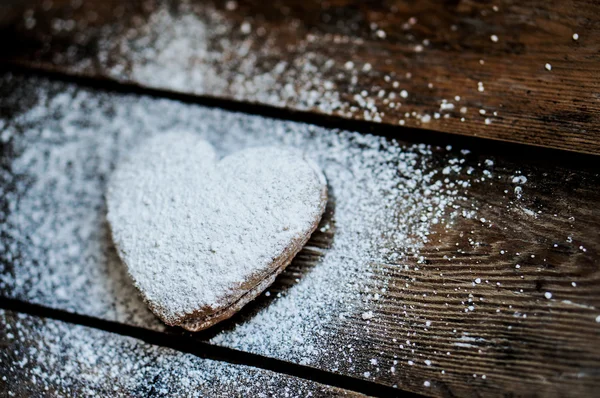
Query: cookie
(202, 237)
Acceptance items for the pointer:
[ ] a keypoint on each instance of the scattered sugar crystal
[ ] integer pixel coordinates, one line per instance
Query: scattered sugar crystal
(520, 179)
(548, 67)
(246, 28)
(548, 295)
(367, 315)
(518, 191)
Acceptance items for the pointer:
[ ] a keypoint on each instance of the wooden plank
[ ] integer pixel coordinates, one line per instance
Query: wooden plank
(418, 63)
(442, 271)
(41, 357)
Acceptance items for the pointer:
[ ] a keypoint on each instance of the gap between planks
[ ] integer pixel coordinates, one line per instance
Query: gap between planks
(532, 154)
(189, 345)
(321, 55)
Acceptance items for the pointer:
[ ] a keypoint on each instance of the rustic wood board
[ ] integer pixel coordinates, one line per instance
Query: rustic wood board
(453, 316)
(415, 63)
(41, 357)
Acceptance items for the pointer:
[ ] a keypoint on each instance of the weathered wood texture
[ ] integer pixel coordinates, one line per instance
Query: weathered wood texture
(40, 357)
(501, 296)
(420, 63)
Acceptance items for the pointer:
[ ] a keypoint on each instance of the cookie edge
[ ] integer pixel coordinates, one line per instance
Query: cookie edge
(198, 320)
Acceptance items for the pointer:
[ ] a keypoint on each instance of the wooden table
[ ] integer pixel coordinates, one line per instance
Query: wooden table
(503, 297)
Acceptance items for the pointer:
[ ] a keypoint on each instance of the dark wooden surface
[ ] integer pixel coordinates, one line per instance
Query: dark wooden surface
(513, 340)
(347, 58)
(41, 357)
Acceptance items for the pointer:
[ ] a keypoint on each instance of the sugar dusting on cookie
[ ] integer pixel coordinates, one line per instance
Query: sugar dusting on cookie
(198, 234)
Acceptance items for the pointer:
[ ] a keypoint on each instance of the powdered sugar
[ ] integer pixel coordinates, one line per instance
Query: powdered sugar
(206, 49)
(57, 251)
(51, 358)
(401, 243)
(197, 234)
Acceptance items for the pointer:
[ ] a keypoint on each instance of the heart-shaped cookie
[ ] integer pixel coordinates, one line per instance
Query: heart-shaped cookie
(202, 237)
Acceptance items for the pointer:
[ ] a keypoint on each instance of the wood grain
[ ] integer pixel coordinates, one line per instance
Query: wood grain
(462, 319)
(513, 340)
(415, 63)
(42, 357)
